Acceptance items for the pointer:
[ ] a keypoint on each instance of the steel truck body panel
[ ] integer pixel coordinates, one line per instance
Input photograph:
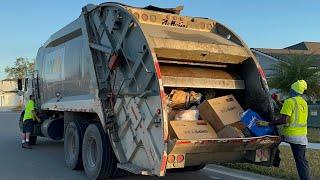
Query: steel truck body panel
(130, 56)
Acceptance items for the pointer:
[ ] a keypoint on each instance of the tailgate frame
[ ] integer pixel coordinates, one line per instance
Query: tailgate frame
(206, 151)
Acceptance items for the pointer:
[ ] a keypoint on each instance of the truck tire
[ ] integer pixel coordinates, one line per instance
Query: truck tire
(33, 140)
(99, 161)
(73, 145)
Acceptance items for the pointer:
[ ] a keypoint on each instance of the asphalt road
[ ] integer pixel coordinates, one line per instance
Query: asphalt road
(46, 160)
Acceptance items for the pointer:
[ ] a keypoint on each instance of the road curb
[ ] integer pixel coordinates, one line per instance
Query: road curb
(236, 173)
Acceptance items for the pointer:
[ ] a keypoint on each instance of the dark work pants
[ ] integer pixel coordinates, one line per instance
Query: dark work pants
(299, 154)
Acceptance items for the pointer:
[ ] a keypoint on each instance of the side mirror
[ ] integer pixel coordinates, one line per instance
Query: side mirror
(20, 84)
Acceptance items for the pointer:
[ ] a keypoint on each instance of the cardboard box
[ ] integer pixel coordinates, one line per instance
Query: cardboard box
(193, 130)
(242, 127)
(230, 132)
(221, 111)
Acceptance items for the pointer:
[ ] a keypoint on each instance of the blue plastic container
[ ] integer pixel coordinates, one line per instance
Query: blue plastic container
(249, 118)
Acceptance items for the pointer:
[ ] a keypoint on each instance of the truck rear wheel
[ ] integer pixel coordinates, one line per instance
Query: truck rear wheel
(73, 145)
(99, 161)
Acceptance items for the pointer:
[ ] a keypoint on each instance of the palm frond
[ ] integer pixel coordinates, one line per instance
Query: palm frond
(294, 68)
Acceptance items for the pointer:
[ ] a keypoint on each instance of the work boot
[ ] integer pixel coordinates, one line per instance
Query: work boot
(26, 145)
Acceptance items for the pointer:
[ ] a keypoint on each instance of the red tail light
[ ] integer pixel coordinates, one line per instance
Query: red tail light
(180, 158)
(171, 158)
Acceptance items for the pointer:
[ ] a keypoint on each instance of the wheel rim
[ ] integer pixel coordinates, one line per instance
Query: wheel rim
(92, 152)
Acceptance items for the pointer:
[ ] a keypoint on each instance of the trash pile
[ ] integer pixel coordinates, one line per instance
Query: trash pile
(180, 102)
(193, 117)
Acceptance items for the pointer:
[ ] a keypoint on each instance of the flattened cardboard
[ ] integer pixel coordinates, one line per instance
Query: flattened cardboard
(193, 130)
(221, 111)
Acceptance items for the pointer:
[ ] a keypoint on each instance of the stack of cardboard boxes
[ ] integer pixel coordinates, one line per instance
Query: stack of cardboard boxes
(220, 118)
(224, 115)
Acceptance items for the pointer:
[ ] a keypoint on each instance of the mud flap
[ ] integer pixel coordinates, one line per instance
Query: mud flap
(262, 158)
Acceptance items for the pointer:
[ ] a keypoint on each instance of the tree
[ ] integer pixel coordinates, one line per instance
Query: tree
(293, 68)
(21, 67)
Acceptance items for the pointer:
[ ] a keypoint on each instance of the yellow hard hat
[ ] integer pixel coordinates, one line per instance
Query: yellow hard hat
(299, 86)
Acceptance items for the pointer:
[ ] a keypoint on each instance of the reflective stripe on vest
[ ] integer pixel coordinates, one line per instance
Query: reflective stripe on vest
(295, 128)
(296, 117)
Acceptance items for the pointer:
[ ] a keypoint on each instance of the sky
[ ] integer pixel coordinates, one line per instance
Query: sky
(26, 25)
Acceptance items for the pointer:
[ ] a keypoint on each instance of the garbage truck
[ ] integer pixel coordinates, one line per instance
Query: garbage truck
(101, 84)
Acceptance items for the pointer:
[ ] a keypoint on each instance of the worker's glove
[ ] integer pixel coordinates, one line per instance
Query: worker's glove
(262, 123)
(275, 97)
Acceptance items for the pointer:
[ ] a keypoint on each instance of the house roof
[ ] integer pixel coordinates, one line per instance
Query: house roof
(303, 48)
(309, 46)
(8, 79)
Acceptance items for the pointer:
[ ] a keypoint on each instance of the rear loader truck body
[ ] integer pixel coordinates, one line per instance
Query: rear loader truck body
(101, 82)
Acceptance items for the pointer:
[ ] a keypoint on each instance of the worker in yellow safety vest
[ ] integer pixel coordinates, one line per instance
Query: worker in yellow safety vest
(29, 119)
(294, 115)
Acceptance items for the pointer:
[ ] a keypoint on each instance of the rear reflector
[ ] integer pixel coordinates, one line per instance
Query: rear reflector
(183, 142)
(180, 158)
(171, 159)
(262, 74)
(145, 17)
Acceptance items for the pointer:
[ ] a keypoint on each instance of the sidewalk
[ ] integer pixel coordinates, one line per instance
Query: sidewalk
(5, 109)
(309, 146)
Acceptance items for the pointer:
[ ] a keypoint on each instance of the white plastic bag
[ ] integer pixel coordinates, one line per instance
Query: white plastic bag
(191, 114)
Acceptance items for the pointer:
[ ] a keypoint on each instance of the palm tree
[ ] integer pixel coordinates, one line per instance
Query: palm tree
(293, 68)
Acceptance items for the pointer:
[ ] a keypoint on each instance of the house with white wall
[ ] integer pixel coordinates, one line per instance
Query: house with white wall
(9, 97)
(268, 57)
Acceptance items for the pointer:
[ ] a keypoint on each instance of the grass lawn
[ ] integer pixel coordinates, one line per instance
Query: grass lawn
(314, 135)
(287, 169)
